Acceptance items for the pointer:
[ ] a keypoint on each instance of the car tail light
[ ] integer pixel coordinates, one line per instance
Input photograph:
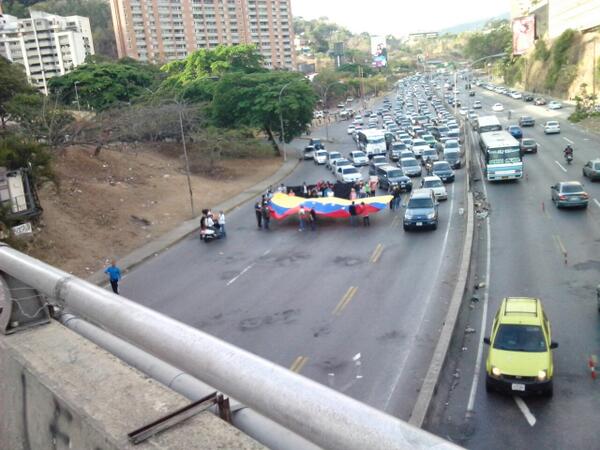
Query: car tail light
(585, 195)
(562, 197)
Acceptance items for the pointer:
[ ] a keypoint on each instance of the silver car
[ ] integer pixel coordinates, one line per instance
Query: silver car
(410, 167)
(551, 127)
(569, 194)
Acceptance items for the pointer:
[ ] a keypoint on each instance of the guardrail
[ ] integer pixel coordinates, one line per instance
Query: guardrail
(319, 414)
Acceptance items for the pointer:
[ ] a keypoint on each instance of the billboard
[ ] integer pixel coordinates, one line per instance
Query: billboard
(379, 51)
(523, 30)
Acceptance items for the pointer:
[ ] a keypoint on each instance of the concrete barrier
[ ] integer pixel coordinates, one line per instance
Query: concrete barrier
(59, 391)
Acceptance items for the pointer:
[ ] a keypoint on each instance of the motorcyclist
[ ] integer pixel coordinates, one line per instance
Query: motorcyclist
(428, 165)
(568, 151)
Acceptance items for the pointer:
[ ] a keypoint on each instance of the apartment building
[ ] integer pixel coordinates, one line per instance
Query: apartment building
(552, 17)
(166, 30)
(47, 45)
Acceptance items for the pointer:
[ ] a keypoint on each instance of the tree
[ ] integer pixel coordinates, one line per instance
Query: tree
(253, 100)
(193, 78)
(104, 85)
(496, 38)
(12, 82)
(40, 117)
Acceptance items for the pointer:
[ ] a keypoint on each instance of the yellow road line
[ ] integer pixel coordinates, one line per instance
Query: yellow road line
(560, 245)
(345, 300)
(376, 253)
(298, 364)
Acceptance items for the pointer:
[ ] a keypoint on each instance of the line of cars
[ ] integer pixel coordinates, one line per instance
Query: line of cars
(538, 101)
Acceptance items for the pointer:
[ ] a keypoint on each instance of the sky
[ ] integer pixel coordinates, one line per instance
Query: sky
(399, 17)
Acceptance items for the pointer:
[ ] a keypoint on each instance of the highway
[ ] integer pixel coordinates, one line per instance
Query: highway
(358, 309)
(526, 247)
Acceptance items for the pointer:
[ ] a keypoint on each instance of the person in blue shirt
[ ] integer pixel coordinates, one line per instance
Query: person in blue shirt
(114, 275)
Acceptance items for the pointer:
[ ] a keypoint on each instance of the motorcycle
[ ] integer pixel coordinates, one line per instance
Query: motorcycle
(569, 158)
(210, 234)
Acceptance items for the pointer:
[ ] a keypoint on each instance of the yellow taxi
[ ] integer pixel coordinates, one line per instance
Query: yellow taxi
(520, 357)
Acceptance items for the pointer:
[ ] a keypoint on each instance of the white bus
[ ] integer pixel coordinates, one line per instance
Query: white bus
(372, 142)
(501, 156)
(485, 124)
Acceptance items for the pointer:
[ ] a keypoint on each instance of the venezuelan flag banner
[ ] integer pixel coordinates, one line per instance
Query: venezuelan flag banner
(283, 205)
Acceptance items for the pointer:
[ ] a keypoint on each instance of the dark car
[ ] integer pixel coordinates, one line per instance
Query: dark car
(317, 143)
(528, 145)
(471, 93)
(443, 170)
(421, 210)
(397, 147)
(390, 176)
(569, 194)
(526, 121)
(591, 169)
(515, 131)
(528, 98)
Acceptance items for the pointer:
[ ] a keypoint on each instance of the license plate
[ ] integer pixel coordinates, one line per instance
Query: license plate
(419, 224)
(505, 178)
(574, 199)
(518, 387)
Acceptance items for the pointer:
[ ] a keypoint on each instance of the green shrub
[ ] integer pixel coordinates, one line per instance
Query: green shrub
(541, 52)
(558, 58)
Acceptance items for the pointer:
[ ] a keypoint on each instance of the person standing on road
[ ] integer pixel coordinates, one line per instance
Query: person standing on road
(301, 217)
(114, 276)
(397, 197)
(365, 215)
(312, 215)
(266, 214)
(221, 222)
(352, 211)
(304, 190)
(258, 213)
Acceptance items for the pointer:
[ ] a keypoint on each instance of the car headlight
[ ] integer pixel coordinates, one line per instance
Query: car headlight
(430, 215)
(496, 372)
(542, 375)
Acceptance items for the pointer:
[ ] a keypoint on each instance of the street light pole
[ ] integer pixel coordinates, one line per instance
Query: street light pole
(77, 96)
(281, 120)
(325, 105)
(187, 163)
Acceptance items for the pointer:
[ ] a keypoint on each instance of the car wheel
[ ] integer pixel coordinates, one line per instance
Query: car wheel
(488, 386)
(405, 228)
(549, 391)
(583, 172)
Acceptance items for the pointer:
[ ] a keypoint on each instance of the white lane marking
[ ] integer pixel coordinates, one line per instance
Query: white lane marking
(531, 420)
(486, 295)
(568, 140)
(246, 269)
(411, 344)
(597, 202)
(560, 165)
(267, 252)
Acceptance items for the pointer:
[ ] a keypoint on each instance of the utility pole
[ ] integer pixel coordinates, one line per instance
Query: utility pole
(281, 121)
(594, 71)
(187, 163)
(77, 96)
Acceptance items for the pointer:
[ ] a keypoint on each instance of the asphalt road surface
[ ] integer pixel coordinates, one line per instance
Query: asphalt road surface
(534, 250)
(358, 309)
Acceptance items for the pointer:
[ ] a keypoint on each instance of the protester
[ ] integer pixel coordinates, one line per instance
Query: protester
(304, 190)
(266, 214)
(258, 212)
(352, 211)
(352, 194)
(365, 214)
(301, 218)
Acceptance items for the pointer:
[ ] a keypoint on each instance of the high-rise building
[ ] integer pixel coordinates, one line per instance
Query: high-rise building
(165, 30)
(47, 45)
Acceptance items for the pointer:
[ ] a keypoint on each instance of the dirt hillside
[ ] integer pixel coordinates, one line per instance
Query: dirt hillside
(107, 206)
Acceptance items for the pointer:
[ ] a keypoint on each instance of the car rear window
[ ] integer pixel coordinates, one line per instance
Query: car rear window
(334, 155)
(597, 166)
(528, 142)
(419, 203)
(349, 170)
(520, 338)
(397, 173)
(442, 165)
(570, 188)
